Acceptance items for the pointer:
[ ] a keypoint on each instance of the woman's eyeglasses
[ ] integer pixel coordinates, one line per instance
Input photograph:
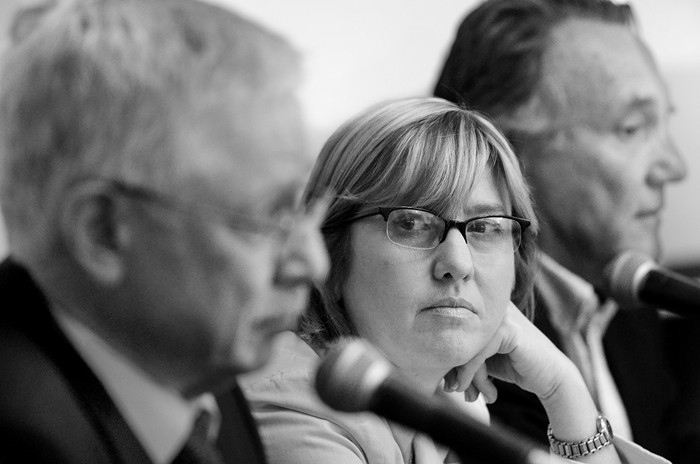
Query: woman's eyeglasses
(420, 229)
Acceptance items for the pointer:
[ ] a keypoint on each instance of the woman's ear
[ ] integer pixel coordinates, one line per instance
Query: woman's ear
(93, 231)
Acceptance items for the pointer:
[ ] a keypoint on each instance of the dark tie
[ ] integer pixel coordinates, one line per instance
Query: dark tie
(199, 449)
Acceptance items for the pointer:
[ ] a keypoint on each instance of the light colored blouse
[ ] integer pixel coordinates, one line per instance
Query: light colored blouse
(298, 428)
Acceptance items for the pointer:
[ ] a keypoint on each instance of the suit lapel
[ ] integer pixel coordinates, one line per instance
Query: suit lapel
(636, 357)
(36, 321)
(238, 439)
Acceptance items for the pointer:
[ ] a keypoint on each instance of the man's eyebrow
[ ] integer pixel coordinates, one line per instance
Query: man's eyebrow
(646, 104)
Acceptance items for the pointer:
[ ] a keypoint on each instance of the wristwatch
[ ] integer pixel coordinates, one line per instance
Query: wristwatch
(576, 449)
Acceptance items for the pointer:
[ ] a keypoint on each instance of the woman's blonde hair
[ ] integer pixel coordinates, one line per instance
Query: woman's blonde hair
(424, 152)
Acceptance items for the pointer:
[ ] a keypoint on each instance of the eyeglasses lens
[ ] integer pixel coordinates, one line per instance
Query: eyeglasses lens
(424, 230)
(414, 228)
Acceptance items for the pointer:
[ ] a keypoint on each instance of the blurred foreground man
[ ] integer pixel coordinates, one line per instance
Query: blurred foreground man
(151, 155)
(578, 94)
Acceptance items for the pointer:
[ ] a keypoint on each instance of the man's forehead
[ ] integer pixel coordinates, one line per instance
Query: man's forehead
(258, 164)
(593, 73)
(595, 66)
(266, 178)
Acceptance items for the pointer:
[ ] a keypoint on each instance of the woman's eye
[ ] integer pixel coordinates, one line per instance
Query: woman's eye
(478, 227)
(485, 227)
(407, 223)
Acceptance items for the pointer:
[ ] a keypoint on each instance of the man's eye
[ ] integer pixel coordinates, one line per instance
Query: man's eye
(635, 128)
(629, 130)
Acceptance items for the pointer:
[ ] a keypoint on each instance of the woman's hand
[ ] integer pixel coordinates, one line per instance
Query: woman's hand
(518, 353)
(472, 382)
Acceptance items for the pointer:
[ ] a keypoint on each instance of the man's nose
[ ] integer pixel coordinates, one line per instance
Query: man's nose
(305, 259)
(669, 165)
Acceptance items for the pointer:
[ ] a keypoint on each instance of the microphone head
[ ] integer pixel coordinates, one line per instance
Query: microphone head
(624, 275)
(350, 374)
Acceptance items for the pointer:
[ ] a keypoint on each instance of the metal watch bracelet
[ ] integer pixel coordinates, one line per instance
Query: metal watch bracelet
(573, 450)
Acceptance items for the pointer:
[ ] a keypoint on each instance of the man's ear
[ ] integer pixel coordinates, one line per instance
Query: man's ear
(94, 231)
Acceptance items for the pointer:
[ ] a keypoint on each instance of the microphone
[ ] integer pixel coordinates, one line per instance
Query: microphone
(355, 376)
(633, 278)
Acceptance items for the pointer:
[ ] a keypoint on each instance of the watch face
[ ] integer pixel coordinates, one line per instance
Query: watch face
(604, 425)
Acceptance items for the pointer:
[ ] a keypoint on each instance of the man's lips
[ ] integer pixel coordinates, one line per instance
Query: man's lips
(649, 212)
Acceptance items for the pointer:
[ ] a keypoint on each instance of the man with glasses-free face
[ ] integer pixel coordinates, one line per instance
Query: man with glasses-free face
(152, 158)
(580, 97)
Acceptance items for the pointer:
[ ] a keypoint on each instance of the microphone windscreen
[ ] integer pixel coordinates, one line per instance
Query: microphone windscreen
(350, 373)
(623, 275)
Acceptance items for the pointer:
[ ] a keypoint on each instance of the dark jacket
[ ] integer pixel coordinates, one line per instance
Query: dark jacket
(660, 394)
(54, 409)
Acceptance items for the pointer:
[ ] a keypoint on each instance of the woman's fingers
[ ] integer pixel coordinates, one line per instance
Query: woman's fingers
(472, 377)
(472, 383)
(471, 394)
(450, 381)
(459, 378)
(483, 384)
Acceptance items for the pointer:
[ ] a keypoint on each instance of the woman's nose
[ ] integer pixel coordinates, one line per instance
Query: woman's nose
(454, 257)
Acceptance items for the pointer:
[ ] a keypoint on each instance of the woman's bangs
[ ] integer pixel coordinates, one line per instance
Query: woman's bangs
(465, 158)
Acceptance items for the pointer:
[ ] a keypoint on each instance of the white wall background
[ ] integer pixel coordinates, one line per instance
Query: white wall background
(358, 52)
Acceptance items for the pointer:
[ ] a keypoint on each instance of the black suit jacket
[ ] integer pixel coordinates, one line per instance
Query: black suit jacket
(54, 409)
(660, 394)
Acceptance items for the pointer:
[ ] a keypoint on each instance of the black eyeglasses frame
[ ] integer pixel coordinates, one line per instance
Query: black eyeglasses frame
(461, 226)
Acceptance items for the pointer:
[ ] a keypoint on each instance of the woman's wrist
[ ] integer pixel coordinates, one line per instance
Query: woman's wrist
(571, 410)
(576, 449)
(573, 415)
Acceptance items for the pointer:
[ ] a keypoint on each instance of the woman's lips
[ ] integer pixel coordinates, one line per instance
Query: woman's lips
(451, 306)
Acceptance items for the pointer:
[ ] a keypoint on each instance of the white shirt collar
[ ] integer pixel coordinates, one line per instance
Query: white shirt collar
(160, 418)
(575, 299)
